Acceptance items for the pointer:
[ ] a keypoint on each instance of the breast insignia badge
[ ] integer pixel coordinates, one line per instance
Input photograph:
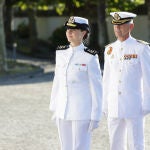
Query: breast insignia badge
(109, 50)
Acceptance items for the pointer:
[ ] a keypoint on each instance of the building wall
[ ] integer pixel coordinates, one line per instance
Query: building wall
(46, 26)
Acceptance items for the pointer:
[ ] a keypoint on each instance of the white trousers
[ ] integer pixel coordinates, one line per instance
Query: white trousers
(74, 135)
(125, 133)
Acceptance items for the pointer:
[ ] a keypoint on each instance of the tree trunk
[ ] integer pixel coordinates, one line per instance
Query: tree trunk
(103, 34)
(32, 26)
(3, 63)
(102, 24)
(148, 13)
(7, 22)
(93, 35)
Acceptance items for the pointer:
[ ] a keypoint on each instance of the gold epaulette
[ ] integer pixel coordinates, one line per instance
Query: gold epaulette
(108, 44)
(91, 51)
(143, 42)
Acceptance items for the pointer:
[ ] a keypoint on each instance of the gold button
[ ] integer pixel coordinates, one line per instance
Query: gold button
(119, 81)
(121, 59)
(119, 93)
(121, 49)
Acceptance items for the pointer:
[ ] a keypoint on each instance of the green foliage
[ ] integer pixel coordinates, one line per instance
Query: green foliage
(60, 8)
(77, 3)
(71, 6)
(44, 5)
(122, 5)
(23, 46)
(22, 30)
(41, 49)
(58, 37)
(24, 5)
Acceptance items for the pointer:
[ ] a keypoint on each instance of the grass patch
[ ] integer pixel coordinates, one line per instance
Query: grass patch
(16, 68)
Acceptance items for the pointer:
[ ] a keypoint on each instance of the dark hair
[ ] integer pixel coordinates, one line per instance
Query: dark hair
(86, 37)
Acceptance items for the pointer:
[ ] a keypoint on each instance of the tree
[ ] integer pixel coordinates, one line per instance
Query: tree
(3, 63)
(147, 2)
(30, 6)
(103, 35)
(8, 13)
(7, 21)
(32, 22)
(102, 23)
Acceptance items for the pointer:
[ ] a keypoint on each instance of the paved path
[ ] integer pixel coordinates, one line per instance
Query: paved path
(25, 120)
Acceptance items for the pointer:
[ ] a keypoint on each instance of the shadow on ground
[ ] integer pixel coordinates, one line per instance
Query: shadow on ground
(27, 79)
(45, 73)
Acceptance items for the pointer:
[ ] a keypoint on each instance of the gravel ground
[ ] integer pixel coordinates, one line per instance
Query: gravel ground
(25, 120)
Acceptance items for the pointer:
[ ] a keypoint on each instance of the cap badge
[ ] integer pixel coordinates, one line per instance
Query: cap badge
(71, 20)
(116, 16)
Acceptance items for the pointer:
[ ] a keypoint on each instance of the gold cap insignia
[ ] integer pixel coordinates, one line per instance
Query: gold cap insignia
(116, 16)
(71, 20)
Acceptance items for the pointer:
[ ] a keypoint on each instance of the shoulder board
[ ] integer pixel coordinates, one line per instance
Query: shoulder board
(108, 44)
(90, 51)
(62, 47)
(143, 42)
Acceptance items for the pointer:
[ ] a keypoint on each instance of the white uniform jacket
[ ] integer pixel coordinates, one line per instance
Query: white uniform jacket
(126, 78)
(77, 90)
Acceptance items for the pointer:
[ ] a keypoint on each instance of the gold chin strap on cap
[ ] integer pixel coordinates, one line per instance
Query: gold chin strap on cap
(122, 21)
(71, 25)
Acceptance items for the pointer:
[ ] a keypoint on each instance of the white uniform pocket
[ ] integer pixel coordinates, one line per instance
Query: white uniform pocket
(60, 69)
(131, 62)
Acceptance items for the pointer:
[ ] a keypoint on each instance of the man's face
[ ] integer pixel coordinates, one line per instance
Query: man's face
(123, 31)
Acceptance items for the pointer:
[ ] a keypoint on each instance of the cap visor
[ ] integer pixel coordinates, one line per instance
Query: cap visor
(120, 22)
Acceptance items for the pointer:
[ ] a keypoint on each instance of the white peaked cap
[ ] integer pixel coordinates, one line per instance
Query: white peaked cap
(122, 17)
(75, 22)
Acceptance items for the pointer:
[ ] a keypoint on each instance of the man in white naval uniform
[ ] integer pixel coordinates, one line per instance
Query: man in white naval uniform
(76, 96)
(126, 85)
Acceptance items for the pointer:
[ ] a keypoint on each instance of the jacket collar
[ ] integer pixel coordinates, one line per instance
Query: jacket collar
(78, 48)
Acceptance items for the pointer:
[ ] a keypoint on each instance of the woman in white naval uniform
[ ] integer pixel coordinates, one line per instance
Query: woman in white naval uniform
(126, 85)
(76, 96)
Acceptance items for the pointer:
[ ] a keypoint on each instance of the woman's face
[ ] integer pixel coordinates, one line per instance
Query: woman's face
(75, 36)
